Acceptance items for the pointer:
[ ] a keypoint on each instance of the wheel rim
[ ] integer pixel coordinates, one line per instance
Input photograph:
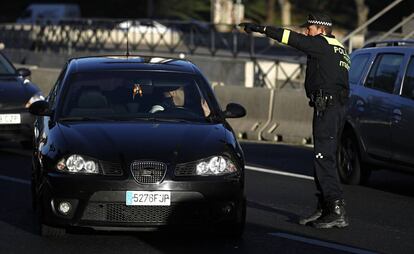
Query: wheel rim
(347, 158)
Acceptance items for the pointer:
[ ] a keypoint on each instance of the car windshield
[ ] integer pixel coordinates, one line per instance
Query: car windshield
(5, 67)
(134, 95)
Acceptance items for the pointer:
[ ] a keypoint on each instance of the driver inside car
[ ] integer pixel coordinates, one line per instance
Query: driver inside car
(175, 98)
(170, 99)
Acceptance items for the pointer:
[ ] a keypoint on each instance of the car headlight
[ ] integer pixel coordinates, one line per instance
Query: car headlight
(34, 98)
(78, 164)
(213, 166)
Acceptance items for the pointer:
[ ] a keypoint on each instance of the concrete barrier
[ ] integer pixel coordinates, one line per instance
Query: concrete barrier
(291, 118)
(229, 71)
(44, 78)
(257, 102)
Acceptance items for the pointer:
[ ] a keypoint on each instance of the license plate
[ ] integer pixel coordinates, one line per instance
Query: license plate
(148, 198)
(10, 119)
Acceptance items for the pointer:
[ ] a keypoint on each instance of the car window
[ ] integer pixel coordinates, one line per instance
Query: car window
(53, 92)
(127, 95)
(384, 72)
(408, 86)
(5, 67)
(358, 64)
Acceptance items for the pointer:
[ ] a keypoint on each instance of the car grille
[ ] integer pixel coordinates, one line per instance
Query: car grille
(111, 168)
(187, 169)
(121, 213)
(148, 171)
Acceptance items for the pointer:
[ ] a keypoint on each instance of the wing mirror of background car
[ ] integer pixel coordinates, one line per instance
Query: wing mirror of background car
(24, 72)
(234, 110)
(40, 108)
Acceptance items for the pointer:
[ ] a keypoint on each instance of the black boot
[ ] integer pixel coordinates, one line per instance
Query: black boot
(314, 216)
(334, 215)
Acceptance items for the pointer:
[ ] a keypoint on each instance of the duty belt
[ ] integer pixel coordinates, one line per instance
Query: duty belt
(321, 100)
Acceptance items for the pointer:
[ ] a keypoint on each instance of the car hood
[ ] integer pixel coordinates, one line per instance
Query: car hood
(13, 92)
(128, 141)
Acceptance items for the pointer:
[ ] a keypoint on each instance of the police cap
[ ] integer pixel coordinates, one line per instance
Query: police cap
(318, 19)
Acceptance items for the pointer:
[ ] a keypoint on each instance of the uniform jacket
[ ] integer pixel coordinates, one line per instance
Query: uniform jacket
(327, 64)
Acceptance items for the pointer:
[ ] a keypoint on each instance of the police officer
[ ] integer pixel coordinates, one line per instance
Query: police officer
(326, 86)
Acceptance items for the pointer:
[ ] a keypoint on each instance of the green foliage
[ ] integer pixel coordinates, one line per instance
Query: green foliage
(255, 10)
(183, 9)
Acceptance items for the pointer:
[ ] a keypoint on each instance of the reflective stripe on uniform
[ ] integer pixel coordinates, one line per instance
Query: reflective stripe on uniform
(333, 41)
(285, 36)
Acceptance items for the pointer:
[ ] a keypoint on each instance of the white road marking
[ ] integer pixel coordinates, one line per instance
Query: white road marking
(277, 172)
(15, 180)
(322, 243)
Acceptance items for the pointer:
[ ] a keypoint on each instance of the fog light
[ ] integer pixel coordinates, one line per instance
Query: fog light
(65, 207)
(227, 209)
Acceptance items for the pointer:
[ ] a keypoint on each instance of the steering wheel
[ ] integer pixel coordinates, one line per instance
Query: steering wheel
(181, 111)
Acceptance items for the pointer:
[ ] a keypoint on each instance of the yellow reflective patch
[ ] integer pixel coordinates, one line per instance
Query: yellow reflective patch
(333, 41)
(285, 36)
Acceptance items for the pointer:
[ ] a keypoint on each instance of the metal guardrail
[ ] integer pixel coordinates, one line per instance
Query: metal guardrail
(367, 23)
(159, 37)
(173, 37)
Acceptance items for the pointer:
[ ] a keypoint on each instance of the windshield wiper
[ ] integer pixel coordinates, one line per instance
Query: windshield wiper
(85, 118)
(161, 119)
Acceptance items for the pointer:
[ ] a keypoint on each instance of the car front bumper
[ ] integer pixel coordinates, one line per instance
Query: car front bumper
(18, 132)
(100, 203)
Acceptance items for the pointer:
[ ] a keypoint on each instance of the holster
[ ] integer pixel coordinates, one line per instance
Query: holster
(321, 100)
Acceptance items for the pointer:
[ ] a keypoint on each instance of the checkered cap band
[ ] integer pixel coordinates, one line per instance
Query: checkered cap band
(321, 23)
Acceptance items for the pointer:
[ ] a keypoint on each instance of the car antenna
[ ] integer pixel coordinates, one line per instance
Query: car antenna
(127, 42)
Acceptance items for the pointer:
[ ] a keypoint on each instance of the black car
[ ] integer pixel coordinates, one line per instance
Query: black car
(17, 93)
(136, 143)
(380, 120)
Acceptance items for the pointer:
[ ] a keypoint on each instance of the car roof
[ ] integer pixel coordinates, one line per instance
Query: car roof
(400, 46)
(132, 62)
(390, 49)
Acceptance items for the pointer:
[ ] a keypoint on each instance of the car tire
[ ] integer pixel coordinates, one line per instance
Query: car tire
(235, 230)
(33, 192)
(42, 229)
(350, 169)
(27, 144)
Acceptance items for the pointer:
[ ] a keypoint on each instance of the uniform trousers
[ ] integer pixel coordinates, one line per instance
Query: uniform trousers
(327, 127)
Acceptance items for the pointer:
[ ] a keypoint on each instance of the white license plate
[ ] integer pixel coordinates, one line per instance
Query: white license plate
(148, 198)
(10, 119)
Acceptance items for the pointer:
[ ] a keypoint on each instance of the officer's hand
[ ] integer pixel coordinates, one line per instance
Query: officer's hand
(311, 104)
(251, 27)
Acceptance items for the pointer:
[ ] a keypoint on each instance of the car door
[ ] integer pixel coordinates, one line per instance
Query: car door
(379, 91)
(402, 121)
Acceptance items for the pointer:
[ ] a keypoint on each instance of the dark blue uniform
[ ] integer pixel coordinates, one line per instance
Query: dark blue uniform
(327, 82)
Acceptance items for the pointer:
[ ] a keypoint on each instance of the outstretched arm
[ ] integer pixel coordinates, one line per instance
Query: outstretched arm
(309, 44)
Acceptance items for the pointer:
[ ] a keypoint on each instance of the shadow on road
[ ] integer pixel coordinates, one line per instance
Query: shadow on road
(292, 217)
(299, 160)
(16, 209)
(393, 182)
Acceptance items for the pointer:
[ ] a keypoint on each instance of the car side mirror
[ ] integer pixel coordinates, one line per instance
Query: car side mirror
(40, 108)
(234, 110)
(24, 72)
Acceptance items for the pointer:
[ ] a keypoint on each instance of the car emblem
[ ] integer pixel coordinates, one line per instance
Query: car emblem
(146, 172)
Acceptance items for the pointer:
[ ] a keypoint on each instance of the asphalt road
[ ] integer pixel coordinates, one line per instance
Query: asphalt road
(381, 213)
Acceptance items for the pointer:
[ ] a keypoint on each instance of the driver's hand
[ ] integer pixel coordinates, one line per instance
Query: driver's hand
(156, 108)
(206, 108)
